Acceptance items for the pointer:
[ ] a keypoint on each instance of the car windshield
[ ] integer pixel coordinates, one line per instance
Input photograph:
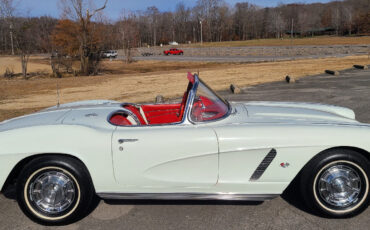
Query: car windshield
(207, 104)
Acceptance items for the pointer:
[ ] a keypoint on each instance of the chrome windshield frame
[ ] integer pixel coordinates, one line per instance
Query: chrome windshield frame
(198, 80)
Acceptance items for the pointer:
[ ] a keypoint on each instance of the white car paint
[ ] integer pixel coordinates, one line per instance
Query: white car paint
(166, 161)
(210, 157)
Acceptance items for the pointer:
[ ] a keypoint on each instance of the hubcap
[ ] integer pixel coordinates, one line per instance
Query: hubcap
(340, 186)
(52, 192)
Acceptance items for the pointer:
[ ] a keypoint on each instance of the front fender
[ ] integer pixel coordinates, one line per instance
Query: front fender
(91, 146)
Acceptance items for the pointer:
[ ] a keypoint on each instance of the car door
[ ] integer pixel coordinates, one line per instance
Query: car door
(158, 158)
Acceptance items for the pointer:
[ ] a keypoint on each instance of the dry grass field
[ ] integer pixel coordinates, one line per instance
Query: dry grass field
(315, 41)
(143, 80)
(37, 64)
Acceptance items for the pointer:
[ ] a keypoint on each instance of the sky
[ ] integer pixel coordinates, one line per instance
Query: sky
(115, 7)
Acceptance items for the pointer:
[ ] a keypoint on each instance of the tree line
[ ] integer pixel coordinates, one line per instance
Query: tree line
(214, 20)
(83, 31)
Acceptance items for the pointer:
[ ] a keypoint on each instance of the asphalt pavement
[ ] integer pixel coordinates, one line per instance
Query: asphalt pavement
(351, 89)
(237, 59)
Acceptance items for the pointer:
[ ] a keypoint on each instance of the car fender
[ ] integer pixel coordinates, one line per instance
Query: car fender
(90, 145)
(243, 148)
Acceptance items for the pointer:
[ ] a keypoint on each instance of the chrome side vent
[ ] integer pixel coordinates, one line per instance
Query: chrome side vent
(263, 165)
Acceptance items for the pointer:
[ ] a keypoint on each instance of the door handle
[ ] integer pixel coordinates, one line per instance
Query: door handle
(121, 141)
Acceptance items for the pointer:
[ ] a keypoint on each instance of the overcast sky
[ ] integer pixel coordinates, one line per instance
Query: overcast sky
(115, 7)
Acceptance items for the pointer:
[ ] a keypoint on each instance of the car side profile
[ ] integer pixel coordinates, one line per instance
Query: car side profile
(199, 148)
(173, 52)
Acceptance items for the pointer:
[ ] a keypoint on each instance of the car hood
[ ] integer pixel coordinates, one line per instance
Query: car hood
(298, 112)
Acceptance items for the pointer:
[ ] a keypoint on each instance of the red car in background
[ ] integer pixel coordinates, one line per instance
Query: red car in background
(173, 52)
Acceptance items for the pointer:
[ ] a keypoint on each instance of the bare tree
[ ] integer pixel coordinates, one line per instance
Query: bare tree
(348, 17)
(183, 29)
(129, 34)
(336, 17)
(153, 13)
(276, 22)
(7, 10)
(79, 11)
(24, 42)
(21, 34)
(220, 22)
(208, 10)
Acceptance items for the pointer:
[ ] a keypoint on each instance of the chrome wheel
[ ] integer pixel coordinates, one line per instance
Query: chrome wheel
(52, 192)
(340, 185)
(55, 190)
(335, 183)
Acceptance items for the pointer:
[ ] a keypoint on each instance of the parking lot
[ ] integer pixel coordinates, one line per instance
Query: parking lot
(350, 89)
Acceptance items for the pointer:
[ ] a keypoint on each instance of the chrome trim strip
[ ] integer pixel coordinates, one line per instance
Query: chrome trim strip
(187, 196)
(191, 98)
(263, 165)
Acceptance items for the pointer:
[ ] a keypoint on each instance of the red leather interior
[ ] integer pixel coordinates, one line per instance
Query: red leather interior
(183, 104)
(162, 113)
(119, 119)
(135, 111)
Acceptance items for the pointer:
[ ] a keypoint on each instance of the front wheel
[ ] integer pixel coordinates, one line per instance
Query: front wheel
(336, 183)
(54, 190)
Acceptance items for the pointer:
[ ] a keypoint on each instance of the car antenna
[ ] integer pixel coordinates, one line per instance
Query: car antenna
(58, 95)
(198, 72)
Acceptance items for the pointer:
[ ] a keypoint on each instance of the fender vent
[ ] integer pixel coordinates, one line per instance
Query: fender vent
(263, 166)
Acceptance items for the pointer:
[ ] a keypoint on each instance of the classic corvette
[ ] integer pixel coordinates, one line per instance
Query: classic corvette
(202, 147)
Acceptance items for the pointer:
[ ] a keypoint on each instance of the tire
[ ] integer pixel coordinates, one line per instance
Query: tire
(336, 183)
(55, 190)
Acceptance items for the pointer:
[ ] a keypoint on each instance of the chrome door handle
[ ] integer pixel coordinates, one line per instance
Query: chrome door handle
(121, 141)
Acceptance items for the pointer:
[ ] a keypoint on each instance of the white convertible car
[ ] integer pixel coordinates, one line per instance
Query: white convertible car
(203, 147)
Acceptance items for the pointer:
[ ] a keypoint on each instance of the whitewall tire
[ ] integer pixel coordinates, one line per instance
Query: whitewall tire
(54, 190)
(336, 183)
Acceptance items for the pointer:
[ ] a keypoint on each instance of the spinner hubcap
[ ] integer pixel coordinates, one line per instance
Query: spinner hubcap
(52, 192)
(340, 186)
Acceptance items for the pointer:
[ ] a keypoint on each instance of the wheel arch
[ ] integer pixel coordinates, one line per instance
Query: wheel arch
(13, 175)
(361, 151)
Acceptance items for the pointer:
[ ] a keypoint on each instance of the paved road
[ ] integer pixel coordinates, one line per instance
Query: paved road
(351, 89)
(237, 59)
(250, 53)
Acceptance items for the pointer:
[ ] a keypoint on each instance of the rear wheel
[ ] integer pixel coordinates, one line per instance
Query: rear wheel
(336, 183)
(54, 190)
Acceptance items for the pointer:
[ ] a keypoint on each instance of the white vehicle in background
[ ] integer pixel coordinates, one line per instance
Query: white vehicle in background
(202, 147)
(110, 54)
(173, 43)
